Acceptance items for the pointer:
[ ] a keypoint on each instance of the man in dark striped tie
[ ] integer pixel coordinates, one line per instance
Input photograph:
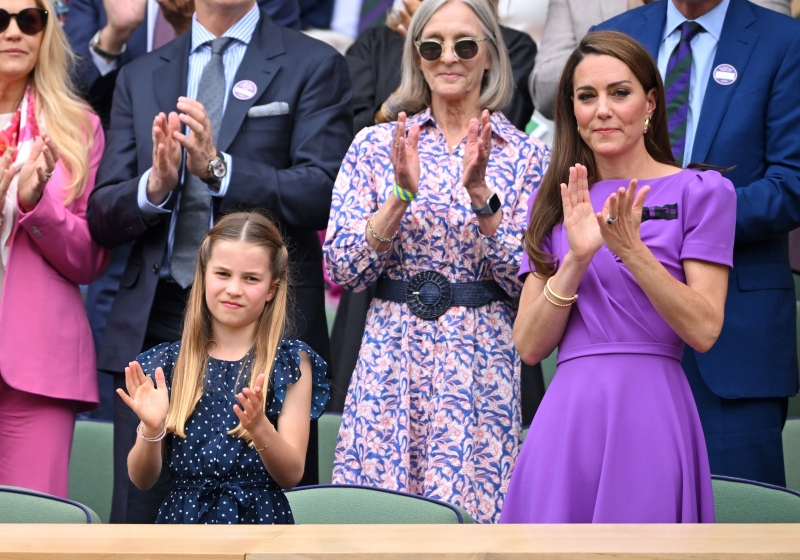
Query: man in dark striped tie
(731, 71)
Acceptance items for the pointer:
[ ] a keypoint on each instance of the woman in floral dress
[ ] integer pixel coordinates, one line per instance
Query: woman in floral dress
(432, 209)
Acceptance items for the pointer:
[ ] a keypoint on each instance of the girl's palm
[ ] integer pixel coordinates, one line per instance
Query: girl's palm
(148, 402)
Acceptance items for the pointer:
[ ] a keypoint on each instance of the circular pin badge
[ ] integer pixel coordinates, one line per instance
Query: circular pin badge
(244, 90)
(725, 74)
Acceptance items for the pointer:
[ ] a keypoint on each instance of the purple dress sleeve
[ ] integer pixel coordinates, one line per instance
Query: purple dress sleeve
(709, 219)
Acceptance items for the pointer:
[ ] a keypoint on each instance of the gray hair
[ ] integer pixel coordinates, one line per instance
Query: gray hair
(414, 93)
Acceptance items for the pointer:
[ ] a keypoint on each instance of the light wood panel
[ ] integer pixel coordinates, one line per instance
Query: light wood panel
(145, 542)
(517, 542)
(394, 542)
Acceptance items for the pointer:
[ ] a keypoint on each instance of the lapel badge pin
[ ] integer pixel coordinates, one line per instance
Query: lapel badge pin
(725, 74)
(244, 90)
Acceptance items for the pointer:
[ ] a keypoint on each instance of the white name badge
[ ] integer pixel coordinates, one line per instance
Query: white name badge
(244, 90)
(725, 74)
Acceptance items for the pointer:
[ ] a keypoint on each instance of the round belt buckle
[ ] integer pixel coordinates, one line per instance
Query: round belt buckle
(429, 294)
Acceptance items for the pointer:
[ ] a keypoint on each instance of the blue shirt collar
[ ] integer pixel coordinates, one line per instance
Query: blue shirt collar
(712, 21)
(242, 30)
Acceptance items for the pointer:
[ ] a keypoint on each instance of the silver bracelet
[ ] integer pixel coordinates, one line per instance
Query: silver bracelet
(159, 437)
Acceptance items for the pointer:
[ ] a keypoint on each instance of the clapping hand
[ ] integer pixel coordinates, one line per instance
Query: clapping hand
(583, 230)
(624, 209)
(150, 403)
(405, 155)
(166, 158)
(200, 143)
(250, 409)
(36, 172)
(476, 155)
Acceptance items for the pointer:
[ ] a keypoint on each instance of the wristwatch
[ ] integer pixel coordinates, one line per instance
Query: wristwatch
(217, 169)
(492, 205)
(94, 44)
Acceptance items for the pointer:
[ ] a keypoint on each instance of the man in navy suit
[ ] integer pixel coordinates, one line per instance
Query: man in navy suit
(126, 29)
(286, 123)
(744, 113)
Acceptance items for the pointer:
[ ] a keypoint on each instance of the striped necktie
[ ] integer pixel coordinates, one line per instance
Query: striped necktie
(676, 86)
(373, 12)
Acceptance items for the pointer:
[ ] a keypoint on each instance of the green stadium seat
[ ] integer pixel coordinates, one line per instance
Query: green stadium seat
(549, 367)
(327, 433)
(20, 505)
(334, 504)
(91, 466)
(791, 453)
(745, 501)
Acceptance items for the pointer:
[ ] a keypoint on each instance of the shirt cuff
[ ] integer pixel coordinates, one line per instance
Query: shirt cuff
(223, 185)
(104, 66)
(147, 209)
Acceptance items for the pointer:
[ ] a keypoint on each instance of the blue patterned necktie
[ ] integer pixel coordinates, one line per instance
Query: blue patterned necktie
(195, 203)
(676, 88)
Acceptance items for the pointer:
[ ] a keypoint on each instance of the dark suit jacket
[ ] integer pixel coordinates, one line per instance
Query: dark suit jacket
(375, 59)
(285, 164)
(86, 17)
(753, 125)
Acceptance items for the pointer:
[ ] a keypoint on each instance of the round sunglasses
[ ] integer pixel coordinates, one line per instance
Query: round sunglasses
(464, 48)
(30, 20)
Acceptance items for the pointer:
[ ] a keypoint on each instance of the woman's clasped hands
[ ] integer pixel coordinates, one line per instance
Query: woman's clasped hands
(33, 175)
(617, 226)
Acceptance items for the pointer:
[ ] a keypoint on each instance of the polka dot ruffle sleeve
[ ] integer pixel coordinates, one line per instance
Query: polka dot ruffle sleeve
(287, 372)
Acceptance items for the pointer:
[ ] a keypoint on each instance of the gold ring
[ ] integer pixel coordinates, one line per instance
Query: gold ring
(201, 137)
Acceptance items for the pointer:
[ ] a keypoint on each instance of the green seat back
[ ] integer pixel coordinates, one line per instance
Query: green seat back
(745, 501)
(20, 505)
(549, 367)
(327, 432)
(91, 466)
(794, 402)
(791, 453)
(330, 505)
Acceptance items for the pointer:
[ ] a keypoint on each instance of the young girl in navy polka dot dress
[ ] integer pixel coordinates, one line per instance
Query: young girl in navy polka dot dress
(233, 398)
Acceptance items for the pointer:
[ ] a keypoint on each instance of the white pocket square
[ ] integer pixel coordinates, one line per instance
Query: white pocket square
(269, 110)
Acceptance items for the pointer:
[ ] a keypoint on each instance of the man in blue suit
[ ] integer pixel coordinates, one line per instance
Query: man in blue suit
(744, 113)
(285, 122)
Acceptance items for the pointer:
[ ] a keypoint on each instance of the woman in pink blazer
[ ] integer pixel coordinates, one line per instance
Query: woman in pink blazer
(51, 145)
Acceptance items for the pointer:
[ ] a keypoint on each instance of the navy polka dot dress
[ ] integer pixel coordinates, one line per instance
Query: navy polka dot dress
(216, 477)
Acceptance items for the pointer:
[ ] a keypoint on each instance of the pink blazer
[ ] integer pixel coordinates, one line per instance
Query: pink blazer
(46, 344)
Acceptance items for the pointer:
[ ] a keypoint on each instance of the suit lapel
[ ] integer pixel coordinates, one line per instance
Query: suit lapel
(649, 33)
(735, 46)
(256, 66)
(169, 79)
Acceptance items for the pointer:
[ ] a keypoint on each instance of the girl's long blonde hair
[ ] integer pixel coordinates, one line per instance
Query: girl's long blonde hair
(58, 105)
(188, 378)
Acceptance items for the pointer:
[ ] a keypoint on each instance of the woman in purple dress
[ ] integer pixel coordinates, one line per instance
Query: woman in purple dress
(617, 438)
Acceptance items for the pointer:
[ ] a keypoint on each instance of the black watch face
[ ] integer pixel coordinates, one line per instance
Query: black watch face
(493, 203)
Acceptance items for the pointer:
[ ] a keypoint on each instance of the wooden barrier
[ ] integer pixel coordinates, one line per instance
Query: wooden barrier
(416, 542)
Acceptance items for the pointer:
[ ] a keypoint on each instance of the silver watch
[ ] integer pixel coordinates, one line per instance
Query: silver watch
(217, 169)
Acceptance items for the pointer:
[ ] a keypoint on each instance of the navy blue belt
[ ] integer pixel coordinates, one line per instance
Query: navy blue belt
(429, 294)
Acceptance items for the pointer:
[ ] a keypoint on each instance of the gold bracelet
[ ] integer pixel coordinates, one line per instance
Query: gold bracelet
(547, 297)
(571, 299)
(260, 449)
(378, 237)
